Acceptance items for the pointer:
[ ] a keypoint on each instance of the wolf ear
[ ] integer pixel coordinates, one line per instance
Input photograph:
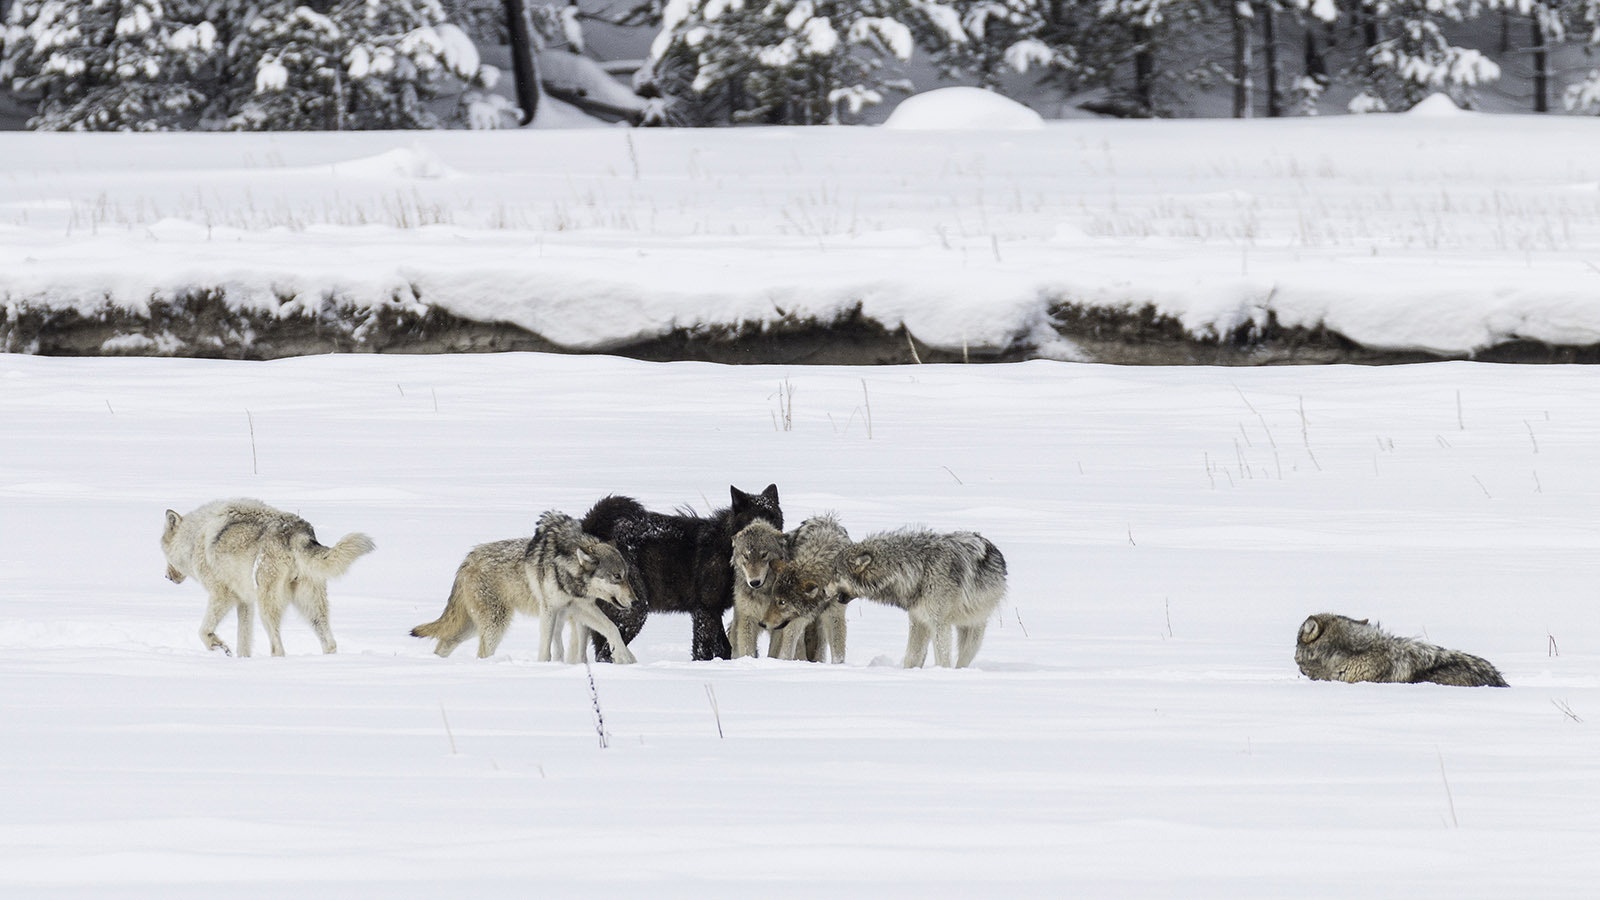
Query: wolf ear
(173, 521)
(771, 493)
(860, 561)
(1310, 630)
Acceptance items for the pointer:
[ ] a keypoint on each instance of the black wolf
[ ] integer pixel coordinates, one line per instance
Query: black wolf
(679, 563)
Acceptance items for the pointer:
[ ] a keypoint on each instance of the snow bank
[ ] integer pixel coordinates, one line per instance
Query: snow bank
(962, 109)
(1397, 232)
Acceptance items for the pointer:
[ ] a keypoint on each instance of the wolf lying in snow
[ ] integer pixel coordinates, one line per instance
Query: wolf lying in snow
(942, 581)
(560, 573)
(248, 555)
(1332, 647)
(679, 563)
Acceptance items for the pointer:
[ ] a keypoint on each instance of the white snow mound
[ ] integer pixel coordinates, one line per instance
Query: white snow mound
(415, 161)
(962, 109)
(1436, 106)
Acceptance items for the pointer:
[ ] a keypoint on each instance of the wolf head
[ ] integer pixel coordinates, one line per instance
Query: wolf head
(605, 573)
(1328, 643)
(798, 592)
(170, 548)
(749, 508)
(757, 549)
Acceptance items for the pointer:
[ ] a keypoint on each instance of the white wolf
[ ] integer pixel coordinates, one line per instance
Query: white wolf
(559, 574)
(942, 581)
(247, 555)
(809, 597)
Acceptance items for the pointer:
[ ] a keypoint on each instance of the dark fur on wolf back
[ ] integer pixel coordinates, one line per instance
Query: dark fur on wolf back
(679, 562)
(1331, 647)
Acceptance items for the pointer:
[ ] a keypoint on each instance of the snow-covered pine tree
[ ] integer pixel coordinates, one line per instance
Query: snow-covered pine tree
(363, 64)
(1407, 55)
(109, 65)
(795, 62)
(1148, 34)
(1583, 17)
(989, 39)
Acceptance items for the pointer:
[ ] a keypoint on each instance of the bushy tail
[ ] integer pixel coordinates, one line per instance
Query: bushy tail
(331, 562)
(455, 619)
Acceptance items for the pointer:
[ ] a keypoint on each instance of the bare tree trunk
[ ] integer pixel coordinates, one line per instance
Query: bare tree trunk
(1269, 52)
(1242, 82)
(1541, 64)
(524, 65)
(1144, 70)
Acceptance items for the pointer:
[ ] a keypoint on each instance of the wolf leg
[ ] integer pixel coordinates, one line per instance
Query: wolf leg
(272, 618)
(742, 635)
(245, 613)
(217, 606)
(917, 644)
(968, 639)
(943, 636)
(710, 640)
(550, 620)
(586, 612)
(833, 627)
(311, 596)
(578, 640)
(490, 634)
(780, 644)
(629, 621)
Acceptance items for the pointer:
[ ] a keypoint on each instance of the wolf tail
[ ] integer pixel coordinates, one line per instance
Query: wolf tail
(455, 619)
(330, 562)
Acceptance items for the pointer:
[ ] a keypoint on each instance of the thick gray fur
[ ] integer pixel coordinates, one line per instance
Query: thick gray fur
(942, 581)
(809, 597)
(1331, 647)
(559, 574)
(759, 552)
(248, 555)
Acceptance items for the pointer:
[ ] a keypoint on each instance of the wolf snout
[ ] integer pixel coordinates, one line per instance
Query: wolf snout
(755, 583)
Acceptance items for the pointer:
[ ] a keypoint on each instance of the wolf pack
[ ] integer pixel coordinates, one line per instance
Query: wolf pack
(597, 578)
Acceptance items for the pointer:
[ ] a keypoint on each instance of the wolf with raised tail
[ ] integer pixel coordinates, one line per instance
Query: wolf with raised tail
(1331, 647)
(249, 556)
(560, 574)
(944, 582)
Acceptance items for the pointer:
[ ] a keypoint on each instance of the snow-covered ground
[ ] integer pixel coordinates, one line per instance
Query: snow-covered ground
(1134, 726)
(1435, 230)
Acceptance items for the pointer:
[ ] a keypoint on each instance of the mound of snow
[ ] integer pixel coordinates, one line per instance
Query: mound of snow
(415, 161)
(1436, 106)
(962, 109)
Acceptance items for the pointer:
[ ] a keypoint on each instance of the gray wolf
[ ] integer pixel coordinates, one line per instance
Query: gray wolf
(759, 551)
(1332, 647)
(942, 581)
(559, 574)
(248, 556)
(809, 597)
(679, 563)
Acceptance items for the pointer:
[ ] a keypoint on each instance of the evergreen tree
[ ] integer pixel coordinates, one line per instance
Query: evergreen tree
(1407, 55)
(797, 62)
(108, 65)
(364, 64)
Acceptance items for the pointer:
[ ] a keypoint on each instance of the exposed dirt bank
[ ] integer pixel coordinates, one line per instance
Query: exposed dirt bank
(205, 325)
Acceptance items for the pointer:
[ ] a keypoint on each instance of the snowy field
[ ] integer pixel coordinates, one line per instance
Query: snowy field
(1134, 726)
(1435, 230)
